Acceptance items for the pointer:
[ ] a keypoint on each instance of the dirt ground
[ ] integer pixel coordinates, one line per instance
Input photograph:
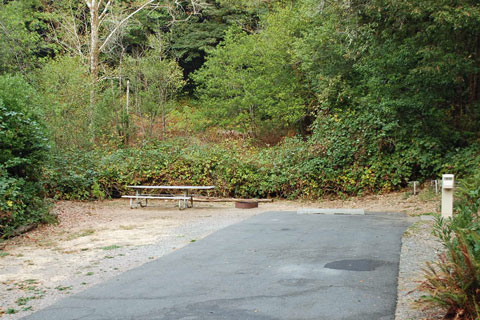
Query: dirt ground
(95, 241)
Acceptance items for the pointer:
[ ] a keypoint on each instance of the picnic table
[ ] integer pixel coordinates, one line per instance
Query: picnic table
(183, 200)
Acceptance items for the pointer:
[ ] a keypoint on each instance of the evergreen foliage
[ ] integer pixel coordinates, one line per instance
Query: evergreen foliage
(248, 82)
(23, 148)
(23, 31)
(64, 86)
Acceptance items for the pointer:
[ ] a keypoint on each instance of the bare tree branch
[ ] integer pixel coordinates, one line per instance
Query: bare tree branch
(196, 5)
(77, 38)
(123, 21)
(105, 10)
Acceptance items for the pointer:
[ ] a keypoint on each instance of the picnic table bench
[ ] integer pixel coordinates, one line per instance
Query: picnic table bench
(183, 200)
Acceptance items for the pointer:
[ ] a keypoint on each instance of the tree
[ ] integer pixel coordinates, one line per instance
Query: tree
(23, 150)
(64, 85)
(155, 81)
(23, 26)
(394, 81)
(249, 81)
(105, 22)
(189, 41)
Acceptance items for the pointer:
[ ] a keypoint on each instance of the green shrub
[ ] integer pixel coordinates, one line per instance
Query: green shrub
(296, 168)
(453, 282)
(23, 146)
(463, 162)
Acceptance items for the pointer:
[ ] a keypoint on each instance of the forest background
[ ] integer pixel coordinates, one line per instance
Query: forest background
(262, 98)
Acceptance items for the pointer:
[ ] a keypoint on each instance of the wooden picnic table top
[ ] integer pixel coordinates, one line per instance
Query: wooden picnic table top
(174, 187)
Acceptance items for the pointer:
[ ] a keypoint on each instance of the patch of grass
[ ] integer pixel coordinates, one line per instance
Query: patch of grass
(23, 301)
(84, 249)
(19, 255)
(434, 214)
(3, 254)
(11, 311)
(90, 273)
(31, 281)
(193, 240)
(428, 195)
(109, 257)
(63, 288)
(414, 228)
(84, 283)
(29, 285)
(407, 195)
(112, 247)
(86, 232)
(83, 233)
(46, 243)
(30, 308)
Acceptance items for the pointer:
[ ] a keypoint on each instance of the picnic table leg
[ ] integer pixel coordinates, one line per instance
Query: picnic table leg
(138, 201)
(181, 205)
(185, 193)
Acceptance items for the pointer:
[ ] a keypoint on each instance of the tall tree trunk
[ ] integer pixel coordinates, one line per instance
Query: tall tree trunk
(94, 6)
(126, 123)
(99, 9)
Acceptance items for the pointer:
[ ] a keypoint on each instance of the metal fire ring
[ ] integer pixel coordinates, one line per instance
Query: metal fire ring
(246, 205)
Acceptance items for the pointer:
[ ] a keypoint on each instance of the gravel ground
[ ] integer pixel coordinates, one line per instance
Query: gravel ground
(418, 247)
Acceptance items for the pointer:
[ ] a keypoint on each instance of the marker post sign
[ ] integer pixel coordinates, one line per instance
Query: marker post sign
(448, 182)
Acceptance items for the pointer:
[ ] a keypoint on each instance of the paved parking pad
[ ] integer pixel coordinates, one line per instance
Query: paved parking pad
(277, 265)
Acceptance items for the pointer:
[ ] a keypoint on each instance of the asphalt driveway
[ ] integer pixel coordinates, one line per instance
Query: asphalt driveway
(277, 265)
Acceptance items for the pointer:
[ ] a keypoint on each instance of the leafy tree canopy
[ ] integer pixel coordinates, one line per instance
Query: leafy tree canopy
(249, 82)
(24, 41)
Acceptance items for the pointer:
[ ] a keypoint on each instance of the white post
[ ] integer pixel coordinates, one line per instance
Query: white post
(447, 195)
(415, 183)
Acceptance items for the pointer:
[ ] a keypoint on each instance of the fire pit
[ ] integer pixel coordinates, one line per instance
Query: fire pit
(246, 204)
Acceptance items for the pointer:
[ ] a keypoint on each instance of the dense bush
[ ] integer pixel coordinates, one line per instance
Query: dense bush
(23, 146)
(248, 82)
(462, 161)
(453, 282)
(296, 168)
